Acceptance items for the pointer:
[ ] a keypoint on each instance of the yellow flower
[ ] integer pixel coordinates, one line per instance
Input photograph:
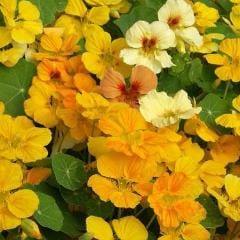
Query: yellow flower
(14, 170)
(86, 18)
(209, 45)
(103, 53)
(16, 206)
(212, 173)
(26, 25)
(9, 57)
(119, 175)
(54, 45)
(2, 107)
(229, 197)
(226, 150)
(235, 16)
(231, 120)
(42, 104)
(19, 139)
(126, 228)
(188, 232)
(93, 103)
(205, 16)
(229, 60)
(115, 6)
(195, 126)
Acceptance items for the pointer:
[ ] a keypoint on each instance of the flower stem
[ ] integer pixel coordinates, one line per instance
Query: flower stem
(139, 212)
(150, 221)
(226, 90)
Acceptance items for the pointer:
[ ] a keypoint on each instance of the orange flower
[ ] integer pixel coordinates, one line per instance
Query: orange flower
(129, 134)
(56, 46)
(173, 200)
(114, 86)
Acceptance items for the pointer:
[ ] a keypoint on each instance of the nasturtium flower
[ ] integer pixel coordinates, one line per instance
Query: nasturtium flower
(179, 15)
(172, 200)
(54, 45)
(205, 16)
(102, 53)
(209, 44)
(14, 170)
(20, 139)
(162, 110)
(42, 104)
(119, 174)
(130, 135)
(125, 228)
(228, 60)
(235, 16)
(16, 206)
(147, 45)
(82, 19)
(2, 107)
(94, 104)
(226, 149)
(231, 120)
(187, 232)
(228, 197)
(37, 175)
(9, 57)
(24, 27)
(116, 6)
(212, 173)
(142, 81)
(195, 126)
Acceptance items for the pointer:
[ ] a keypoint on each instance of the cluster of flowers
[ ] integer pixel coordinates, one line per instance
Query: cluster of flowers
(141, 140)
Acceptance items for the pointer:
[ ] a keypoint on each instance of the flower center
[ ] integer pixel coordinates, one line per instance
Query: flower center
(236, 62)
(174, 21)
(149, 44)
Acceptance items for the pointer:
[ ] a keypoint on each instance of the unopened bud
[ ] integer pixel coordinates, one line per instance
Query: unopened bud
(30, 228)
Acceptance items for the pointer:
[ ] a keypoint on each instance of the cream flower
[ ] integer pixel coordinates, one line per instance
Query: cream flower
(179, 15)
(162, 110)
(148, 43)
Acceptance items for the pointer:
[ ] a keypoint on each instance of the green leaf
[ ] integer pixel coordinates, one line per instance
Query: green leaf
(48, 9)
(99, 208)
(78, 197)
(48, 214)
(70, 226)
(155, 4)
(69, 171)
(195, 71)
(14, 83)
(138, 13)
(214, 218)
(212, 107)
(223, 28)
(168, 83)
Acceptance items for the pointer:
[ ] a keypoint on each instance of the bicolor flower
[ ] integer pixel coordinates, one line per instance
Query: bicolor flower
(179, 15)
(147, 45)
(142, 81)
